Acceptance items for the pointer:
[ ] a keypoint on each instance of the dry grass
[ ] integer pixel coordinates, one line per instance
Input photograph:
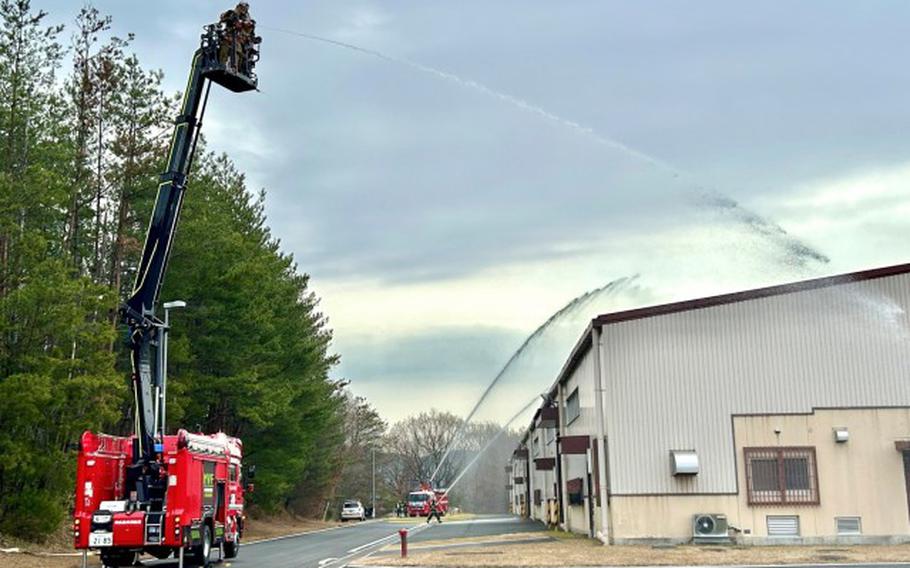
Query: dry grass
(60, 540)
(584, 552)
(258, 529)
(29, 561)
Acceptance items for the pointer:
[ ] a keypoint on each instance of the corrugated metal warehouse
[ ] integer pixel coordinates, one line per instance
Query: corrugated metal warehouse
(771, 415)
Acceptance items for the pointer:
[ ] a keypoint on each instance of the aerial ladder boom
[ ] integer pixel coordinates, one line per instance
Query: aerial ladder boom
(223, 60)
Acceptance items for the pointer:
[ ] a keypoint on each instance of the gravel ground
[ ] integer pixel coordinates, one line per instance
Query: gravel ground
(584, 552)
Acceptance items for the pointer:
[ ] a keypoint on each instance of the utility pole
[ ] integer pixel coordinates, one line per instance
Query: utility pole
(373, 504)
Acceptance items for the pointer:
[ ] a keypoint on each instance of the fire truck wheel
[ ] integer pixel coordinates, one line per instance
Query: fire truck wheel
(199, 555)
(232, 549)
(115, 559)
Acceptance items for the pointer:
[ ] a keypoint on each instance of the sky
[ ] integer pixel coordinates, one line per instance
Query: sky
(497, 159)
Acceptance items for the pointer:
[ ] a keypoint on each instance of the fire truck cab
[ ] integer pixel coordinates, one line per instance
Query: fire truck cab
(419, 502)
(203, 508)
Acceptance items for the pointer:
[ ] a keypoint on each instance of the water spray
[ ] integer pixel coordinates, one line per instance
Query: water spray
(797, 252)
(490, 92)
(567, 310)
(489, 443)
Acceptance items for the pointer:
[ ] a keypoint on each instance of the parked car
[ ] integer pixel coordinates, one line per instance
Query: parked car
(353, 510)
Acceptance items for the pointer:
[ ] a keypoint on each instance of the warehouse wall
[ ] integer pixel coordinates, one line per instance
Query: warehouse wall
(544, 446)
(575, 466)
(664, 517)
(861, 478)
(673, 381)
(518, 490)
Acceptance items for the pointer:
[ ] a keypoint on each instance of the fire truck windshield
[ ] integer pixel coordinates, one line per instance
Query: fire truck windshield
(414, 497)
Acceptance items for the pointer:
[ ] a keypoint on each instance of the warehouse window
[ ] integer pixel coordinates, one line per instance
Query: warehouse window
(849, 526)
(777, 476)
(573, 409)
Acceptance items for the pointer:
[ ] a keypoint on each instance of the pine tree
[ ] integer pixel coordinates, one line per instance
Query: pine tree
(139, 113)
(252, 347)
(78, 176)
(29, 56)
(91, 86)
(50, 390)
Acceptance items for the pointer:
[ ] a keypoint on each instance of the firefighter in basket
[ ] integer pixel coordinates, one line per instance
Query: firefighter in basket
(237, 35)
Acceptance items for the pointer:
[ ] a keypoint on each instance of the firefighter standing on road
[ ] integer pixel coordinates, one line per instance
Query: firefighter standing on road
(434, 511)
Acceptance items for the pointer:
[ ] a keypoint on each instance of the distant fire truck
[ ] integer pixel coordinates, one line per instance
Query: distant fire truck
(419, 501)
(155, 493)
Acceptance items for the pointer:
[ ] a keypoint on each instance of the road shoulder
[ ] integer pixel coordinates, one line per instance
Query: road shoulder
(518, 550)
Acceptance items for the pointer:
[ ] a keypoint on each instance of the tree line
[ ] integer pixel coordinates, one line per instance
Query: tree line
(398, 458)
(84, 129)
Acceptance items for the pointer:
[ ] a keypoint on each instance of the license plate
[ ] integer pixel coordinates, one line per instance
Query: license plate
(100, 539)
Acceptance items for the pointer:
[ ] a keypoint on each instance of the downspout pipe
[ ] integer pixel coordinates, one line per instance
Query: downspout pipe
(528, 484)
(560, 490)
(603, 535)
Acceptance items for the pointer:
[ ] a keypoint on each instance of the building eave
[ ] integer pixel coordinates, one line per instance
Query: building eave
(584, 342)
(753, 294)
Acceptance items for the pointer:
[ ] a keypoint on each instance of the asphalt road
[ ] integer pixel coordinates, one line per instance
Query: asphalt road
(334, 548)
(481, 526)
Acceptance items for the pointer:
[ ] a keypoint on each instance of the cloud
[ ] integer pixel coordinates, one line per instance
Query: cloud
(446, 353)
(441, 224)
(862, 218)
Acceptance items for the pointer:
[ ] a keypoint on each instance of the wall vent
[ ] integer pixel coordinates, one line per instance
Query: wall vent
(849, 526)
(783, 526)
(683, 463)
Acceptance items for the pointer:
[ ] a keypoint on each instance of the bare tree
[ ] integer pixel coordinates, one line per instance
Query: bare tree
(415, 446)
(363, 437)
(419, 442)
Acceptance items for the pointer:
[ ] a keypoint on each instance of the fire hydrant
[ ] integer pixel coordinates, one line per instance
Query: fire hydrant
(403, 533)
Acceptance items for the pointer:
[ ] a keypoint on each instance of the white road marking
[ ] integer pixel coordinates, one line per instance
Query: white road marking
(295, 535)
(483, 521)
(372, 543)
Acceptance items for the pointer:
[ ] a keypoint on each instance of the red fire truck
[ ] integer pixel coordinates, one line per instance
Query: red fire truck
(419, 501)
(203, 500)
(152, 492)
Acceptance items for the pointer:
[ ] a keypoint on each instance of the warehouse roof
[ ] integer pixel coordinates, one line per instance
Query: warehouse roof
(584, 342)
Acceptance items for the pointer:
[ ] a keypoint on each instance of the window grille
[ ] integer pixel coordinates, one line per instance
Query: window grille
(781, 476)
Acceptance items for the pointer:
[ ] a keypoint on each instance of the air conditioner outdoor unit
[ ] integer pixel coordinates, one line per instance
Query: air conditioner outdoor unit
(709, 528)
